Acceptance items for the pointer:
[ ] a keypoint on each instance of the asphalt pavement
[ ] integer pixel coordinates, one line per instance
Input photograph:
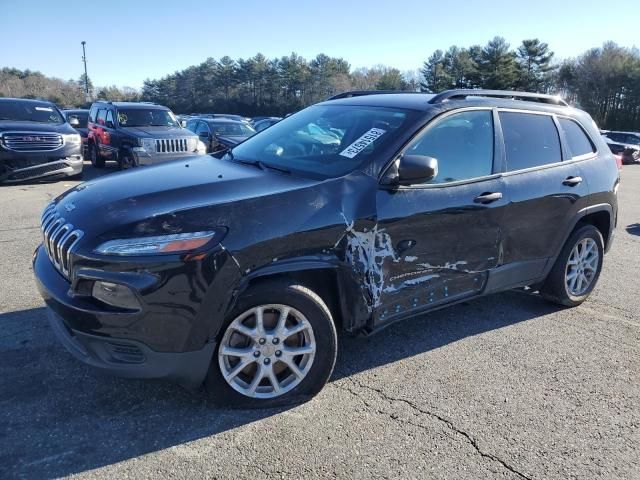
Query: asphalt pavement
(507, 386)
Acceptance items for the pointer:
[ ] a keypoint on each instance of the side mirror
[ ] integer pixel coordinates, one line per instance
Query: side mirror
(110, 124)
(73, 121)
(183, 123)
(414, 169)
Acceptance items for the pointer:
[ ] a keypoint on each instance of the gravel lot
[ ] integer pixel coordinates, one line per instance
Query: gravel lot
(503, 387)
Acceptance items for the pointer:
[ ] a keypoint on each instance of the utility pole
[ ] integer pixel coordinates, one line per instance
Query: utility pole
(87, 97)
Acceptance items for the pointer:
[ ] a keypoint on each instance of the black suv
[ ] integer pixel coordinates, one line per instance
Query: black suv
(238, 272)
(135, 134)
(36, 141)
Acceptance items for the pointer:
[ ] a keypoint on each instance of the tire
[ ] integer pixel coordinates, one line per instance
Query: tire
(94, 154)
(307, 313)
(558, 285)
(126, 160)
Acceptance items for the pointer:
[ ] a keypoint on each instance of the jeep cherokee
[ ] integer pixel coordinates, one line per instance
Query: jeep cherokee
(237, 272)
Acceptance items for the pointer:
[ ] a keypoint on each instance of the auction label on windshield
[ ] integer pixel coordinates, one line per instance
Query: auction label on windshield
(363, 142)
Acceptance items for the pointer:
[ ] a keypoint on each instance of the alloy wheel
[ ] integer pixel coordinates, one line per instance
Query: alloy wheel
(267, 351)
(582, 266)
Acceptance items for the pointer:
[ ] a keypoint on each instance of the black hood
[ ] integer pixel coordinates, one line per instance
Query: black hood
(11, 126)
(152, 200)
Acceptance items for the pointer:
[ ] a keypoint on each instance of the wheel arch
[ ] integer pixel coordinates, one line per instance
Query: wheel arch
(330, 280)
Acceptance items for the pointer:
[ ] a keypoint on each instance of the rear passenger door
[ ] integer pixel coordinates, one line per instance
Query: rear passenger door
(546, 190)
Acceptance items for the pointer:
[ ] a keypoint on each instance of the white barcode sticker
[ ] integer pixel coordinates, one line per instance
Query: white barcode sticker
(363, 142)
(44, 109)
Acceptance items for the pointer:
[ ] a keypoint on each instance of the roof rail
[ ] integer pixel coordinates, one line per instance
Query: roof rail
(362, 93)
(525, 96)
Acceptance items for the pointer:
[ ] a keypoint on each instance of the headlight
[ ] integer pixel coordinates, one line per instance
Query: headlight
(192, 144)
(179, 242)
(72, 138)
(149, 144)
(202, 148)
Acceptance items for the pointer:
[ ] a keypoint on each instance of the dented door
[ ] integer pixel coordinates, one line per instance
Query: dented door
(444, 244)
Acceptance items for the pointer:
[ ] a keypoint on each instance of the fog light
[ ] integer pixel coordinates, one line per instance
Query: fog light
(115, 295)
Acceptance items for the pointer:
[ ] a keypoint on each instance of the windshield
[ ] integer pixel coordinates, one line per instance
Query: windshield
(83, 118)
(324, 140)
(30, 112)
(146, 117)
(231, 129)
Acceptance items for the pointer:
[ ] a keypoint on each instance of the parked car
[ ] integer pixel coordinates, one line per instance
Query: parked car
(36, 141)
(220, 134)
(239, 271)
(625, 144)
(136, 134)
(83, 117)
(237, 118)
(265, 123)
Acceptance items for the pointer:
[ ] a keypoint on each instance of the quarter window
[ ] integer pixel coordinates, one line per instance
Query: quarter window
(579, 143)
(462, 144)
(530, 140)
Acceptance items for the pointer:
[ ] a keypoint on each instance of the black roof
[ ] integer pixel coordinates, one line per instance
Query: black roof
(427, 101)
(133, 104)
(26, 100)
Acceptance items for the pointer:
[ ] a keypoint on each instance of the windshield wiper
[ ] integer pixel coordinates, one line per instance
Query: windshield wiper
(254, 163)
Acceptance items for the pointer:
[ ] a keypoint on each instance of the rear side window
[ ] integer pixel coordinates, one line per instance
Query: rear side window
(579, 143)
(530, 140)
(462, 143)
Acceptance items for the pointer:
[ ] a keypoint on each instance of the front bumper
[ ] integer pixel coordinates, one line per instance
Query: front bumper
(168, 338)
(67, 166)
(142, 157)
(131, 359)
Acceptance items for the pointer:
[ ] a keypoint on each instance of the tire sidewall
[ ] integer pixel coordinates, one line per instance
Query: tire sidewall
(318, 315)
(556, 287)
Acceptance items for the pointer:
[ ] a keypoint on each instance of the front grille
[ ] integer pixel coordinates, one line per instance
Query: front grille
(37, 171)
(172, 145)
(32, 142)
(59, 239)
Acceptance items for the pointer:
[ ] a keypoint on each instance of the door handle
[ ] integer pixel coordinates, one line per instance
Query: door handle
(488, 197)
(572, 181)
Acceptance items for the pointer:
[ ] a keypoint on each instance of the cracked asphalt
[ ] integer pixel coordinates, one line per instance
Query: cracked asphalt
(507, 386)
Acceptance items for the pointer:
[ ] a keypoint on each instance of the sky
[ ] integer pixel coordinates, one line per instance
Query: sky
(130, 41)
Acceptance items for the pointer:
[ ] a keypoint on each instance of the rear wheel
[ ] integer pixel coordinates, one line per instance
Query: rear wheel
(96, 160)
(577, 268)
(278, 347)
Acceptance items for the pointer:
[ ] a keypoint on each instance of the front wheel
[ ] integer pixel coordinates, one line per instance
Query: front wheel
(126, 161)
(577, 268)
(278, 347)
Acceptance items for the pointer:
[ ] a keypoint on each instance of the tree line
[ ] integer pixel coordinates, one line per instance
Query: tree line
(605, 81)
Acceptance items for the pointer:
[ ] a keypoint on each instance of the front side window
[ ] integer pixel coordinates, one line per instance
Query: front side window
(30, 112)
(530, 140)
(326, 141)
(579, 143)
(462, 144)
(146, 117)
(633, 139)
(102, 116)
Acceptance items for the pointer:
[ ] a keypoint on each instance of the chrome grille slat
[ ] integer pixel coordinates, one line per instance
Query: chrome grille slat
(59, 239)
(171, 145)
(32, 141)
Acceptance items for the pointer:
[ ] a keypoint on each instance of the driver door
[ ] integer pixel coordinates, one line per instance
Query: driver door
(446, 233)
